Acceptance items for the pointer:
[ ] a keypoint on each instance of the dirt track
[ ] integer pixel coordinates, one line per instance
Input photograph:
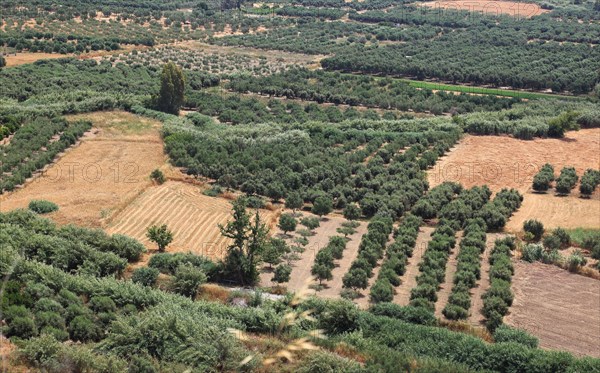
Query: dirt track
(562, 309)
(409, 279)
(475, 316)
(446, 287)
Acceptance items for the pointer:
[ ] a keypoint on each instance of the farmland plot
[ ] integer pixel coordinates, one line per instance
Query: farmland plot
(562, 309)
(505, 162)
(192, 217)
(107, 169)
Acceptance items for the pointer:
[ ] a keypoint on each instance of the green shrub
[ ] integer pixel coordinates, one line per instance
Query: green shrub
(51, 319)
(42, 206)
(576, 260)
(84, 329)
(532, 253)
(505, 333)
(40, 351)
(382, 291)
(415, 315)
(141, 364)
(102, 304)
(455, 312)
(22, 327)
(158, 176)
(325, 362)
(187, 279)
(494, 304)
(534, 227)
(551, 242)
(125, 247)
(145, 276)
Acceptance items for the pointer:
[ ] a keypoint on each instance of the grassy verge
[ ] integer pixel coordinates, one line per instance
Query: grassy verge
(579, 234)
(485, 91)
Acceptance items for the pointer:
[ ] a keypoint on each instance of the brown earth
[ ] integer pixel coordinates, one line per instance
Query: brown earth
(409, 279)
(562, 309)
(342, 266)
(22, 58)
(301, 268)
(506, 162)
(491, 7)
(93, 180)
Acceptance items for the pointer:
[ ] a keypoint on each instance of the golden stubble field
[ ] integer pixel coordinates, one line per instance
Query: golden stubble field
(506, 162)
(96, 178)
(104, 182)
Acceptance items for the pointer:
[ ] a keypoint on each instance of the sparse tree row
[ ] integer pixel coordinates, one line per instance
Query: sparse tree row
(396, 258)
(324, 260)
(566, 181)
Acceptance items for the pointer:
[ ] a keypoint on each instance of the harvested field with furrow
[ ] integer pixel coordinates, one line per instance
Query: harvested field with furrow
(192, 216)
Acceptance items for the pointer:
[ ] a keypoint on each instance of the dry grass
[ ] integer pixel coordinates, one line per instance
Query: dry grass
(93, 180)
(467, 328)
(213, 292)
(192, 217)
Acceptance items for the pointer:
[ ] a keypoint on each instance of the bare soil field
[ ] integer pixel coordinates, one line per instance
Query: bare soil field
(107, 169)
(505, 162)
(192, 217)
(562, 309)
(409, 279)
(552, 211)
(22, 58)
(490, 7)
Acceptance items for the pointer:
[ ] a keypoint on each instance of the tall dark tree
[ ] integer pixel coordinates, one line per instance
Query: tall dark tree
(172, 88)
(249, 239)
(2, 62)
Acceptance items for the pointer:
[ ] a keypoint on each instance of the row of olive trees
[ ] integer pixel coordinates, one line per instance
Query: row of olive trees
(566, 181)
